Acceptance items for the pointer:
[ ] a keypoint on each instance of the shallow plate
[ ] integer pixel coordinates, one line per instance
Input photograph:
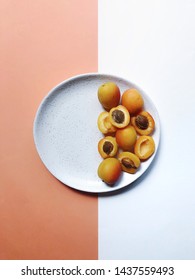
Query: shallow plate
(66, 133)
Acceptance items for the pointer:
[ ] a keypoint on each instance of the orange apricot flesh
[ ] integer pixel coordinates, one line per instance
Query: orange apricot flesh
(144, 147)
(104, 124)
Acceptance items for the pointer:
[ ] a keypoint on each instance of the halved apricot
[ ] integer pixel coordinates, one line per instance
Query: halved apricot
(132, 100)
(144, 147)
(129, 162)
(107, 147)
(119, 116)
(109, 95)
(104, 123)
(109, 170)
(126, 138)
(144, 123)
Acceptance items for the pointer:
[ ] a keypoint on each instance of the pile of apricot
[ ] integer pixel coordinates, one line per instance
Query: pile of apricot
(127, 130)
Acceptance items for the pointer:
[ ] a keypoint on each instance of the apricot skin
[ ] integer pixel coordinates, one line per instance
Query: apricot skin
(126, 138)
(110, 170)
(109, 95)
(132, 100)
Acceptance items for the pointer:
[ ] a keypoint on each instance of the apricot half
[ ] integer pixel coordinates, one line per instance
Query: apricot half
(104, 123)
(119, 116)
(109, 95)
(144, 123)
(144, 147)
(129, 162)
(109, 170)
(132, 100)
(107, 147)
(126, 137)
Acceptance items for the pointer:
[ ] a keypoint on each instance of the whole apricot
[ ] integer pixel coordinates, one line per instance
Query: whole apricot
(126, 137)
(109, 95)
(109, 170)
(132, 100)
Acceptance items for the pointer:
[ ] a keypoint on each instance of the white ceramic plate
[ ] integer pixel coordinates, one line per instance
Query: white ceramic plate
(66, 133)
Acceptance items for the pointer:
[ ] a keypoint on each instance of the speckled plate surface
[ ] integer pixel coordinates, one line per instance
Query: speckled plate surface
(66, 133)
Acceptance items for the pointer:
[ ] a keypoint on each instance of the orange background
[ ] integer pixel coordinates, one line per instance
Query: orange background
(42, 43)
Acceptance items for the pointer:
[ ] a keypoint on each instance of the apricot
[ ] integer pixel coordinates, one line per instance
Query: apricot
(104, 123)
(119, 116)
(109, 95)
(107, 147)
(144, 123)
(132, 100)
(126, 137)
(110, 170)
(144, 147)
(129, 162)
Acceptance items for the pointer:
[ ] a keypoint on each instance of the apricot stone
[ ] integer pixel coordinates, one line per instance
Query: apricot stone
(129, 162)
(144, 123)
(119, 116)
(107, 147)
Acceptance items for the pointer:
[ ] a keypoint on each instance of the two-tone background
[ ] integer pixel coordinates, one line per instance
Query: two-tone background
(151, 43)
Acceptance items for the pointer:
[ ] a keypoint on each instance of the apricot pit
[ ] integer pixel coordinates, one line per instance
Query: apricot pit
(107, 147)
(119, 116)
(143, 123)
(129, 162)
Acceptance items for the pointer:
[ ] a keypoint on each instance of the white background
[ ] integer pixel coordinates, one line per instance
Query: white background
(152, 44)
